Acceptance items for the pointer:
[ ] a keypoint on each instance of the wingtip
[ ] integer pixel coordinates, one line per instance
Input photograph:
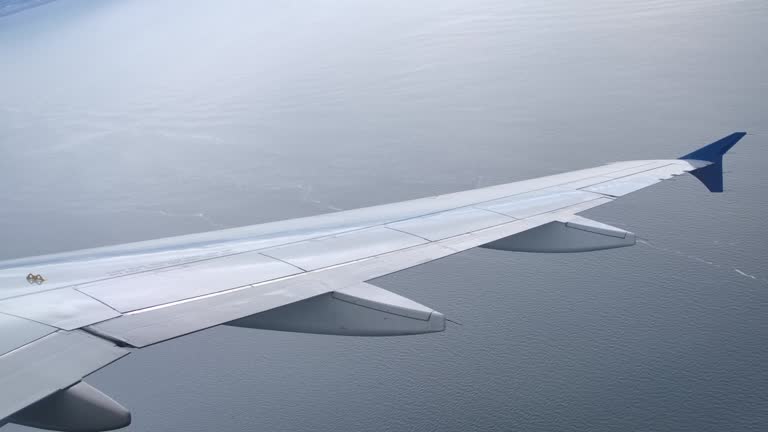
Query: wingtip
(714, 152)
(712, 174)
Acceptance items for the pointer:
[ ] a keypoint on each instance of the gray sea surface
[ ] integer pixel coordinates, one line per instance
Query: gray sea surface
(130, 120)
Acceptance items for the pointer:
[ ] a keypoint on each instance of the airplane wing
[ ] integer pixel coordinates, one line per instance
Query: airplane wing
(64, 316)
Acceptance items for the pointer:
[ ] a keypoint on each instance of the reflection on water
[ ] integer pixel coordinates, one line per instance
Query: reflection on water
(130, 120)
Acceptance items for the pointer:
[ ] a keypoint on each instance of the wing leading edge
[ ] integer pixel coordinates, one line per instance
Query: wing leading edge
(306, 275)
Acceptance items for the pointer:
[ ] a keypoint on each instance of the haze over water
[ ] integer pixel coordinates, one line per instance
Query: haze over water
(129, 120)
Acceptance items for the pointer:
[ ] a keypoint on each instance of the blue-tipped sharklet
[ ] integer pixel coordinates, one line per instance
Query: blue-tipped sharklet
(712, 174)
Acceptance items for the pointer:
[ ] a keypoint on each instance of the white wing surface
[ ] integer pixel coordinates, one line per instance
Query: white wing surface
(63, 316)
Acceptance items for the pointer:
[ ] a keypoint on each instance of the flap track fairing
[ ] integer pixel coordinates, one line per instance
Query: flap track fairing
(576, 234)
(359, 310)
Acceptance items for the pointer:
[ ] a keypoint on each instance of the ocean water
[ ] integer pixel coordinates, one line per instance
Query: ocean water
(129, 120)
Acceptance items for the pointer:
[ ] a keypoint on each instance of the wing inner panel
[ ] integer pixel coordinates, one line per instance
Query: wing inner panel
(328, 251)
(187, 281)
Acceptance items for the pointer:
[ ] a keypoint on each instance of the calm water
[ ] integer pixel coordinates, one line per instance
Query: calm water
(129, 120)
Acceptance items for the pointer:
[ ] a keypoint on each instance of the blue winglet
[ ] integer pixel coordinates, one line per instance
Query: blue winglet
(712, 175)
